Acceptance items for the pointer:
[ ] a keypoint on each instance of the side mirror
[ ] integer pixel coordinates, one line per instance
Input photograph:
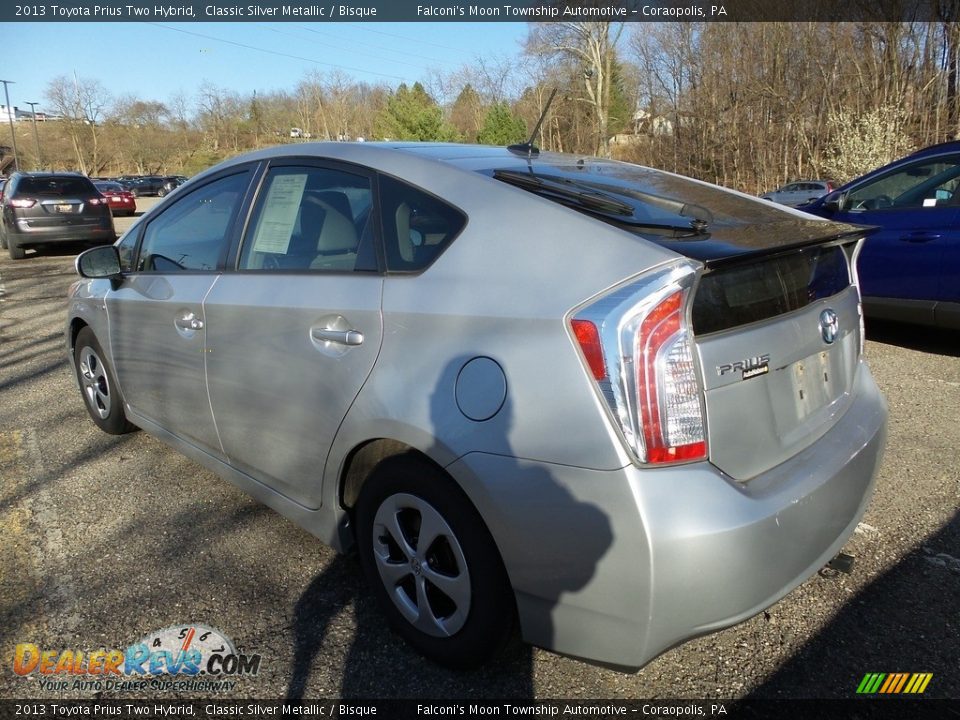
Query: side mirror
(100, 262)
(835, 201)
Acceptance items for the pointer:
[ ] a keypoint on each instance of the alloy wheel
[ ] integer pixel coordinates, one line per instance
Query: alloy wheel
(96, 387)
(421, 565)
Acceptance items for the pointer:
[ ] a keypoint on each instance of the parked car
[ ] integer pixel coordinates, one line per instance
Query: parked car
(616, 406)
(119, 200)
(799, 193)
(148, 185)
(41, 208)
(910, 269)
(170, 183)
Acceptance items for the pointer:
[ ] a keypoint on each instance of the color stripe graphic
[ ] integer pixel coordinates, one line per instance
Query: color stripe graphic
(894, 683)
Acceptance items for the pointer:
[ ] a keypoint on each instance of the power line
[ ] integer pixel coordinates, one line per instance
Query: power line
(419, 41)
(381, 48)
(277, 53)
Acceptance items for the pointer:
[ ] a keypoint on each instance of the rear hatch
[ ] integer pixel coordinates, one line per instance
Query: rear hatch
(775, 311)
(60, 202)
(778, 340)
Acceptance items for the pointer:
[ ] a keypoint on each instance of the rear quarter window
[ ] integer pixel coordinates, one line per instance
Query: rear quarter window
(417, 226)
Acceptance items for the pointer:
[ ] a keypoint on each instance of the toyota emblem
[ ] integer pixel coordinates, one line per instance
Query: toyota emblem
(829, 325)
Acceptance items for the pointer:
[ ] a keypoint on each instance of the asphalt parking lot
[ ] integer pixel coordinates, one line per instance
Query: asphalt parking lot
(107, 539)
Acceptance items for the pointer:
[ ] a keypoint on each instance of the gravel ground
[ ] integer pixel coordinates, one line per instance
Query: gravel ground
(107, 539)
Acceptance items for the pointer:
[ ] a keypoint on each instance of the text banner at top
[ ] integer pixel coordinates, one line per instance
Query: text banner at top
(513, 11)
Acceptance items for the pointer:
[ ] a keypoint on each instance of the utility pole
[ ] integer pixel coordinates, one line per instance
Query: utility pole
(36, 135)
(13, 134)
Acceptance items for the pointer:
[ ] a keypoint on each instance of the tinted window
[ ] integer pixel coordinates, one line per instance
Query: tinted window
(766, 288)
(54, 186)
(310, 218)
(416, 226)
(928, 183)
(192, 233)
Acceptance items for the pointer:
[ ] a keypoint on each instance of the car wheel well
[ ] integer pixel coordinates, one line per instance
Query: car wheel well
(361, 462)
(76, 325)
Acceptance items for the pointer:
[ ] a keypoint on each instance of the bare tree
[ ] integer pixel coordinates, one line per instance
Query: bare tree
(591, 47)
(81, 103)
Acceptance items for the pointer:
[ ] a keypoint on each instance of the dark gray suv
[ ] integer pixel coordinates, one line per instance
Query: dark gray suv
(49, 208)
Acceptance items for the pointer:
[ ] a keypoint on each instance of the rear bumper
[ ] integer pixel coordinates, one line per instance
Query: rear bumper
(103, 232)
(619, 566)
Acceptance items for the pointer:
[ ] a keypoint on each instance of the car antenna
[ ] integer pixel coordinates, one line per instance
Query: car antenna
(528, 148)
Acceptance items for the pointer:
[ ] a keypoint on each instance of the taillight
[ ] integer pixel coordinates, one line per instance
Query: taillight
(638, 347)
(23, 202)
(588, 338)
(97, 201)
(671, 413)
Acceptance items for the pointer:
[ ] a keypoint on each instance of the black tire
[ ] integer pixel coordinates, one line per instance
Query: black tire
(98, 386)
(460, 632)
(161, 192)
(15, 251)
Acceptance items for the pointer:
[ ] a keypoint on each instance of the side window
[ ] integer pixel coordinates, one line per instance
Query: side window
(926, 183)
(416, 226)
(311, 219)
(191, 234)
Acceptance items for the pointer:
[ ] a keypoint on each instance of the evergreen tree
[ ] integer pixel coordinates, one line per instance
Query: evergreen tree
(411, 114)
(502, 127)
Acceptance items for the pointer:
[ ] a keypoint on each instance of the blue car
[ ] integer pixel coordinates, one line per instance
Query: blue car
(910, 269)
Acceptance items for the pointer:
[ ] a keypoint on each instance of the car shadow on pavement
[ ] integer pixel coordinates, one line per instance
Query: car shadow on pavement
(905, 621)
(915, 337)
(372, 661)
(378, 664)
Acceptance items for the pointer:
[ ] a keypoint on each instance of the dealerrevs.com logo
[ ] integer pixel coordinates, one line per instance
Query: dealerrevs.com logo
(181, 658)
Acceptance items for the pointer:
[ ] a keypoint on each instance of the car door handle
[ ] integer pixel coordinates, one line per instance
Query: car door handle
(920, 237)
(189, 321)
(341, 337)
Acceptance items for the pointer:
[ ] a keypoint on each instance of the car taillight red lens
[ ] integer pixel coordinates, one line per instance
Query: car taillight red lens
(588, 337)
(98, 201)
(23, 203)
(669, 394)
(639, 350)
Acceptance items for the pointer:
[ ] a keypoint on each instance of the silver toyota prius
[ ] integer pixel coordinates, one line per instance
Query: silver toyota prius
(608, 406)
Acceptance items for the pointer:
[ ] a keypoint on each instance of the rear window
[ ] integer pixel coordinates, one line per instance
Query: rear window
(759, 290)
(55, 186)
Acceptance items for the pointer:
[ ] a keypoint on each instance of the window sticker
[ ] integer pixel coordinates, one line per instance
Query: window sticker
(279, 214)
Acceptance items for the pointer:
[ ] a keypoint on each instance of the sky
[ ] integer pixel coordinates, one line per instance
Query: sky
(156, 61)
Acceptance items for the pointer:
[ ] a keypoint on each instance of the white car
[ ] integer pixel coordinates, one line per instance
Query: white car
(800, 193)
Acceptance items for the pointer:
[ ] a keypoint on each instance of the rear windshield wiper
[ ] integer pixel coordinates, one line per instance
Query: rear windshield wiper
(699, 215)
(566, 190)
(591, 198)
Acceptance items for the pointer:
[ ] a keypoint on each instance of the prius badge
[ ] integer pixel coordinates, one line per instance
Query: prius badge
(829, 326)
